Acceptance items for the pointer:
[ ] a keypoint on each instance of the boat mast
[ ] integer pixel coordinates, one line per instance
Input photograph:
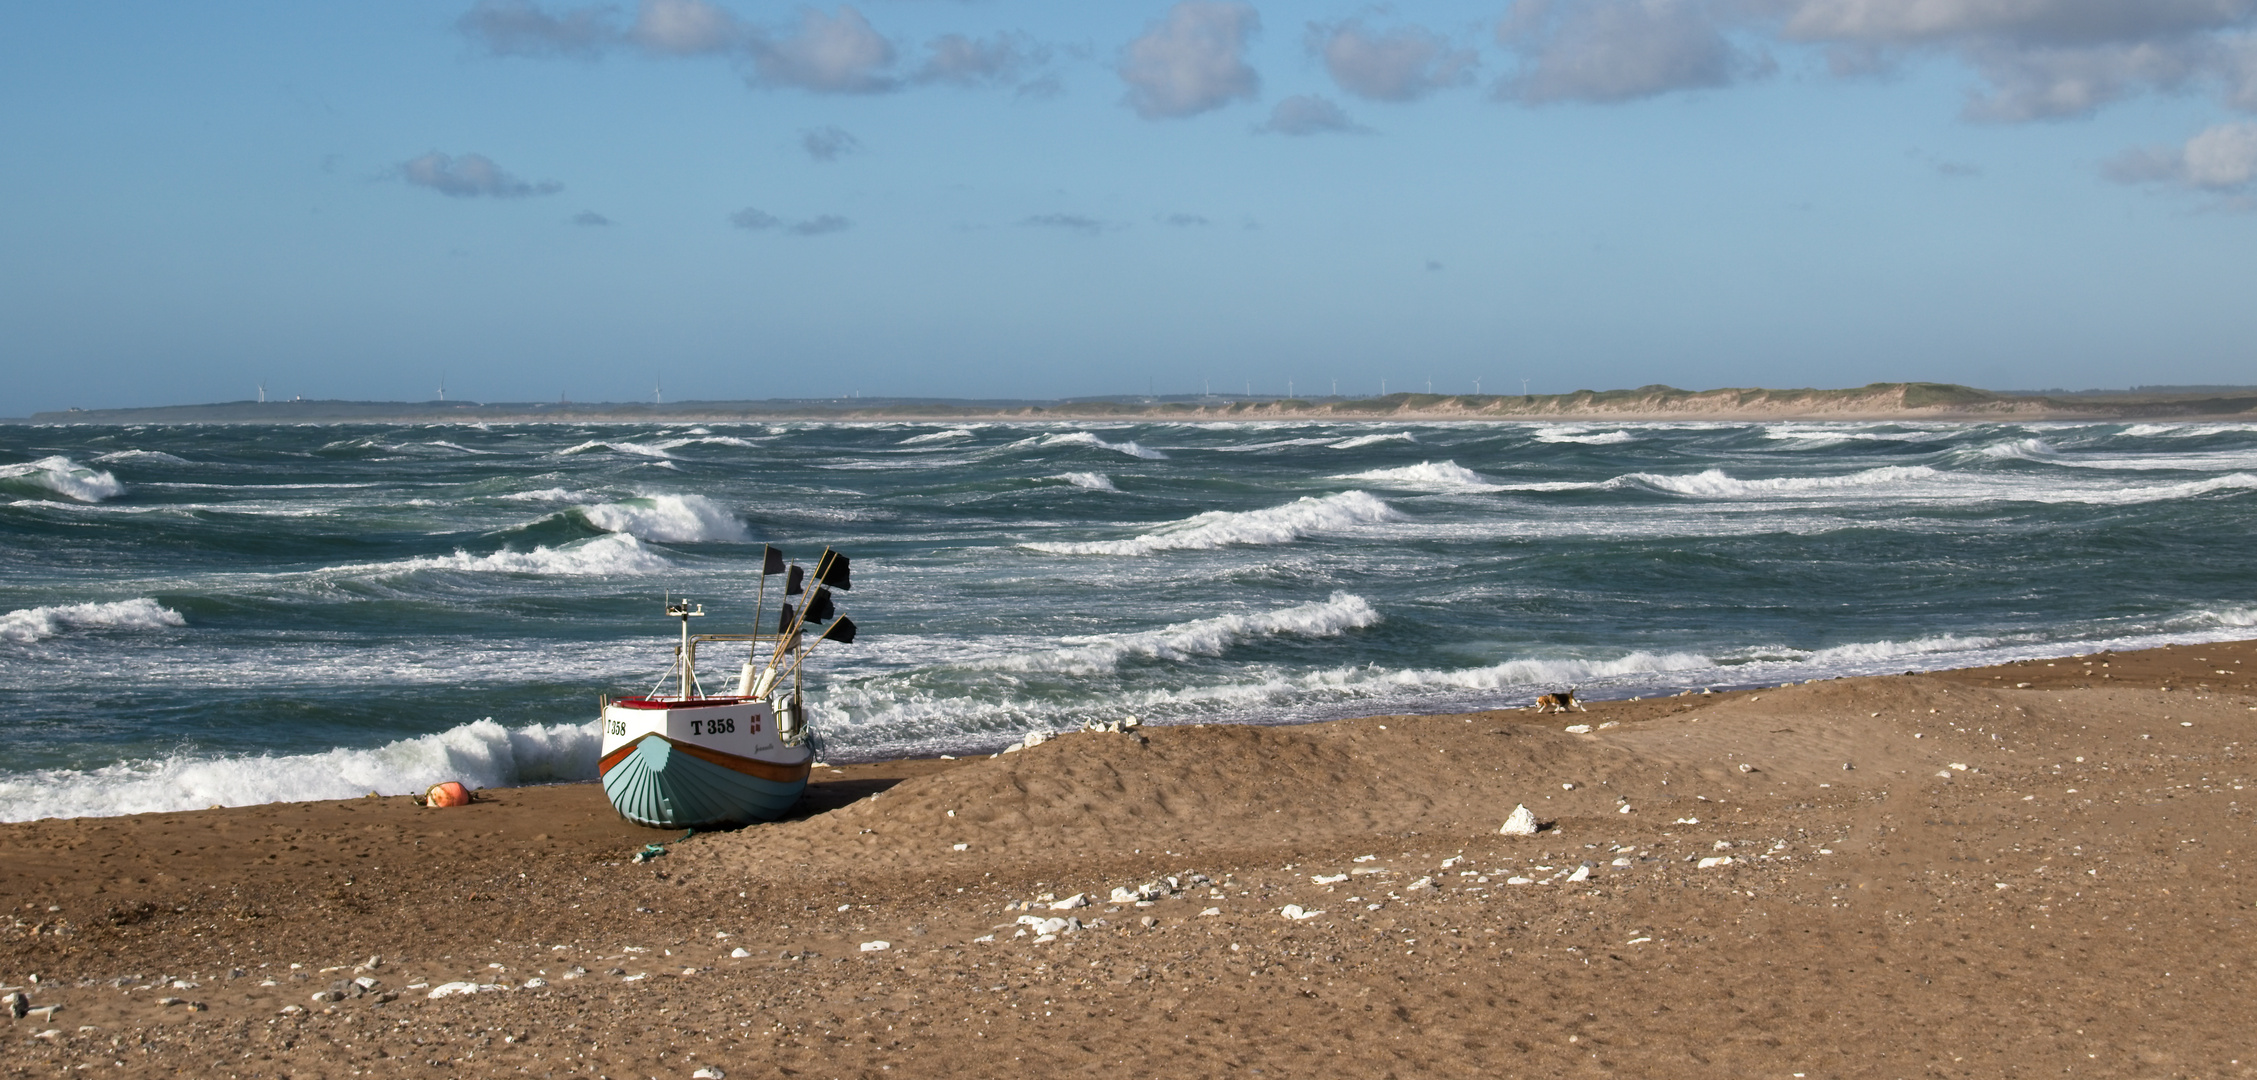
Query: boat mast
(685, 675)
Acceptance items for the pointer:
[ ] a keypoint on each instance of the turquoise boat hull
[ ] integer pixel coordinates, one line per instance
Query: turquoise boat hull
(652, 781)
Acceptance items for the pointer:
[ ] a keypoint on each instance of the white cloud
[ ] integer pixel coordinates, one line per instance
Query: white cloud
(1403, 64)
(684, 27)
(754, 219)
(2048, 59)
(469, 176)
(1192, 61)
(825, 54)
(522, 28)
(1618, 50)
(2221, 160)
(1307, 114)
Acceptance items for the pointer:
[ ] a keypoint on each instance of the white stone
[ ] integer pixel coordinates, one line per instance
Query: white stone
(1520, 881)
(534, 984)
(1521, 823)
(1579, 729)
(1582, 873)
(1212, 911)
(1421, 885)
(1122, 894)
(876, 946)
(1715, 860)
(961, 847)
(454, 988)
(1294, 912)
(739, 953)
(1328, 879)
(1071, 902)
(708, 1073)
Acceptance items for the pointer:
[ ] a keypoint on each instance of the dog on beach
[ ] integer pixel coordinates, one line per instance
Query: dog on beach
(1560, 702)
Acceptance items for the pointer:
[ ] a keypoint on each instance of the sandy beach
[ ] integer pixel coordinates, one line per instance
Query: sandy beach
(2034, 869)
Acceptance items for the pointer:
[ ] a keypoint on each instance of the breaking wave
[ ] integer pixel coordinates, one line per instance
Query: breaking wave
(1368, 440)
(61, 476)
(1083, 438)
(1088, 481)
(618, 553)
(639, 449)
(1203, 637)
(1222, 528)
(937, 436)
(26, 625)
(1582, 435)
(1427, 476)
(143, 455)
(669, 519)
(482, 754)
(1716, 484)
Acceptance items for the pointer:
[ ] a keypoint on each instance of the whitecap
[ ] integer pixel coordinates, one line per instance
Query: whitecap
(143, 455)
(1582, 435)
(64, 477)
(1353, 442)
(1088, 481)
(669, 519)
(1221, 528)
(1083, 438)
(937, 436)
(1427, 476)
(481, 754)
(617, 553)
(640, 449)
(1202, 637)
(1715, 483)
(26, 625)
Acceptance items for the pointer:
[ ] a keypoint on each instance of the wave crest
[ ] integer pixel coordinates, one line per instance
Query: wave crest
(481, 754)
(618, 553)
(1428, 476)
(1222, 528)
(62, 476)
(669, 519)
(26, 625)
(1202, 637)
(1083, 438)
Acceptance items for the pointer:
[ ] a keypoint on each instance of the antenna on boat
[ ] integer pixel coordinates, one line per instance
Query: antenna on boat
(685, 675)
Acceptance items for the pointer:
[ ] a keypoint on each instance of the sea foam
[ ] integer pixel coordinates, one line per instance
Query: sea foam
(669, 519)
(1088, 481)
(480, 754)
(1223, 528)
(26, 625)
(62, 476)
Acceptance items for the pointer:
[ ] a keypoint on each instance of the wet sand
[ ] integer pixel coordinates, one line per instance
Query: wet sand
(2023, 870)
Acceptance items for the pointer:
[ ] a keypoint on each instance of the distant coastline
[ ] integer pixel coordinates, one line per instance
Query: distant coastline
(1878, 401)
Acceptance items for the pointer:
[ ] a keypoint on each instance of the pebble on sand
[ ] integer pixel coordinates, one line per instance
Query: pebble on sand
(1295, 913)
(1714, 860)
(876, 946)
(1071, 902)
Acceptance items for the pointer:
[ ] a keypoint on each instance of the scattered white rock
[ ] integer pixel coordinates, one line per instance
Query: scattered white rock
(1423, 884)
(1212, 911)
(876, 946)
(1521, 823)
(984, 939)
(739, 953)
(708, 1073)
(1582, 873)
(1333, 879)
(960, 847)
(1294, 912)
(1071, 902)
(1520, 881)
(1688, 821)
(1715, 860)
(1959, 766)
(1579, 729)
(534, 984)
(1041, 925)
(1364, 858)
(454, 988)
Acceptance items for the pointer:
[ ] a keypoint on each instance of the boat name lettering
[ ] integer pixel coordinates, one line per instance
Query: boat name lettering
(615, 726)
(719, 725)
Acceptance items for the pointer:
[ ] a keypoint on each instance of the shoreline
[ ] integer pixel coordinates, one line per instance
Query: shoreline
(1859, 876)
(1878, 402)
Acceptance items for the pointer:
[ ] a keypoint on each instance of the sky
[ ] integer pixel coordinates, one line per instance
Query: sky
(523, 201)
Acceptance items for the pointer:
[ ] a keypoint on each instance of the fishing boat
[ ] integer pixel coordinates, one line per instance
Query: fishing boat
(680, 758)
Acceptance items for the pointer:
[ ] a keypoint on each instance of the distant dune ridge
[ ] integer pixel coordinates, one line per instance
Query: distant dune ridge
(1876, 401)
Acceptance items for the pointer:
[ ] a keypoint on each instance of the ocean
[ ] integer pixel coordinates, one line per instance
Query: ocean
(226, 615)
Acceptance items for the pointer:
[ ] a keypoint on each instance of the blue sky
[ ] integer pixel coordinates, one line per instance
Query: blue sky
(996, 198)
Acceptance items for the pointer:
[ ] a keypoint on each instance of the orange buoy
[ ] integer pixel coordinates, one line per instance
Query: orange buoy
(451, 793)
